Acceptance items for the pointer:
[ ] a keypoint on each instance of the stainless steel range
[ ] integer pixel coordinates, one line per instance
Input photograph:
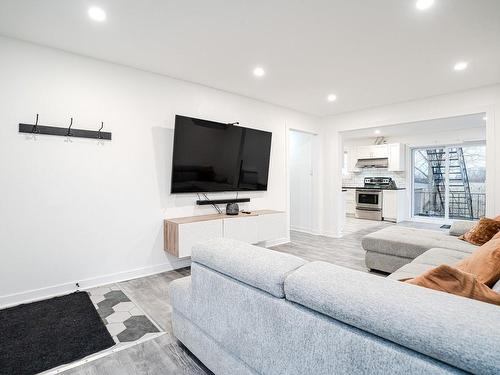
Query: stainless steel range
(369, 198)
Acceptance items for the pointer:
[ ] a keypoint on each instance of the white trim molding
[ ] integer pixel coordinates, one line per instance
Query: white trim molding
(70, 287)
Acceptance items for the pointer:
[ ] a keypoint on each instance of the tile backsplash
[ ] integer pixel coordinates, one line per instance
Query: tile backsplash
(357, 179)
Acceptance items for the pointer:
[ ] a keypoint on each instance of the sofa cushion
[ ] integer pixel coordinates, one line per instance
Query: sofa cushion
(411, 242)
(428, 260)
(279, 337)
(440, 325)
(384, 262)
(484, 263)
(438, 256)
(410, 270)
(482, 232)
(452, 280)
(459, 227)
(496, 287)
(262, 268)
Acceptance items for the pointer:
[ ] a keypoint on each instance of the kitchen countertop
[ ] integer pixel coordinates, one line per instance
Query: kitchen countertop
(362, 187)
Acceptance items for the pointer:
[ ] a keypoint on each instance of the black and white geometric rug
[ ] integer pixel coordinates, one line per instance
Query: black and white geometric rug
(125, 321)
(127, 324)
(63, 332)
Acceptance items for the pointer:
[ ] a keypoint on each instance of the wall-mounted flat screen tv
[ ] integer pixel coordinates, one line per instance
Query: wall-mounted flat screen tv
(213, 157)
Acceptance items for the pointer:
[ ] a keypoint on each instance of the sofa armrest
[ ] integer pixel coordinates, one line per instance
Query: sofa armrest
(459, 227)
(458, 331)
(256, 266)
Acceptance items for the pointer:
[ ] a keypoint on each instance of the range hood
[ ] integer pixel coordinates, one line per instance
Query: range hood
(373, 163)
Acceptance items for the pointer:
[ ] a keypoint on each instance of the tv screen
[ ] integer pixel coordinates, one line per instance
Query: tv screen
(212, 157)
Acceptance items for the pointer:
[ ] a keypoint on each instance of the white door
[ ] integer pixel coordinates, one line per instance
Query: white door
(301, 180)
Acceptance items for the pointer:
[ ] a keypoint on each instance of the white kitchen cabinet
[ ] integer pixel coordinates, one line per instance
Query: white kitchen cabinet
(364, 152)
(352, 159)
(350, 202)
(394, 152)
(373, 151)
(380, 151)
(394, 205)
(397, 160)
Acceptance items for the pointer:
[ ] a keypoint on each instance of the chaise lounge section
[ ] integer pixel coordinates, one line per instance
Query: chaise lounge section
(249, 310)
(393, 247)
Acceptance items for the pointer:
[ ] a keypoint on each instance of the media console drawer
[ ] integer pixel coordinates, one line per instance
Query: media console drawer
(180, 234)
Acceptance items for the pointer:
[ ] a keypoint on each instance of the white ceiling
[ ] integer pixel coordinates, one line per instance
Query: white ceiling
(367, 52)
(450, 124)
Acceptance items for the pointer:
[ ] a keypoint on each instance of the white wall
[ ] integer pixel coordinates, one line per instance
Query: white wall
(82, 211)
(486, 99)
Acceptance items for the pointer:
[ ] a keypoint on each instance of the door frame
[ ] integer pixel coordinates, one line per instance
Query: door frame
(316, 183)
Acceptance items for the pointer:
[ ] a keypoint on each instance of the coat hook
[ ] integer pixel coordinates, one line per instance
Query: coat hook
(69, 129)
(99, 136)
(35, 127)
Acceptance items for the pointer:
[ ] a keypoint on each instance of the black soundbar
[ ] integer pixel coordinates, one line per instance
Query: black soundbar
(221, 201)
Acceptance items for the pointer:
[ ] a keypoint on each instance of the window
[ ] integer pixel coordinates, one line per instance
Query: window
(449, 182)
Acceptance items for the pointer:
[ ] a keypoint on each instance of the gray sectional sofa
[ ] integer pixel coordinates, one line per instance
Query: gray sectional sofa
(250, 310)
(392, 248)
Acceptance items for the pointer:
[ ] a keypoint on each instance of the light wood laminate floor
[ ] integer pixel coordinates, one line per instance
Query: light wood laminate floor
(165, 355)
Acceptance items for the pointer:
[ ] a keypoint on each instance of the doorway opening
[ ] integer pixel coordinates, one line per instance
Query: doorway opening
(440, 169)
(302, 159)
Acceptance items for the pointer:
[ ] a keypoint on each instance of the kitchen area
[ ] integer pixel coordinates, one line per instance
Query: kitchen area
(431, 171)
(374, 180)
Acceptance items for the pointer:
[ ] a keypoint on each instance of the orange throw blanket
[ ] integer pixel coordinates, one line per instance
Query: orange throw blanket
(451, 280)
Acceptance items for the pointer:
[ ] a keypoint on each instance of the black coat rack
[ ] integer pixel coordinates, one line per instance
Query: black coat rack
(65, 132)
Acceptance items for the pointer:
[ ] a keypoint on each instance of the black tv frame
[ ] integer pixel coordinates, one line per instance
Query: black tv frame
(220, 201)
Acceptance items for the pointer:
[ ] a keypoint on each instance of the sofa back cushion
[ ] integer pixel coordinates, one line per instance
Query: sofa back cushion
(451, 280)
(484, 263)
(460, 227)
(440, 325)
(256, 266)
(496, 287)
(482, 232)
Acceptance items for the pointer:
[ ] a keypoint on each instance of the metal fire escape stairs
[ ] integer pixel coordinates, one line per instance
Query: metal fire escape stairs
(460, 200)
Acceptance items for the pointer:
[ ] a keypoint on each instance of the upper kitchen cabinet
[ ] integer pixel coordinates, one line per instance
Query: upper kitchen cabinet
(393, 154)
(397, 160)
(352, 159)
(372, 152)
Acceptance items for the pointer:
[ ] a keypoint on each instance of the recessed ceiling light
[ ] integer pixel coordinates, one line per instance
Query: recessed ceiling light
(377, 131)
(259, 71)
(424, 4)
(459, 66)
(97, 14)
(331, 97)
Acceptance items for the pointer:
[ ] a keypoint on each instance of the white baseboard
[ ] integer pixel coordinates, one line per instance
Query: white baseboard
(300, 229)
(332, 235)
(61, 289)
(279, 241)
(316, 233)
(306, 230)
